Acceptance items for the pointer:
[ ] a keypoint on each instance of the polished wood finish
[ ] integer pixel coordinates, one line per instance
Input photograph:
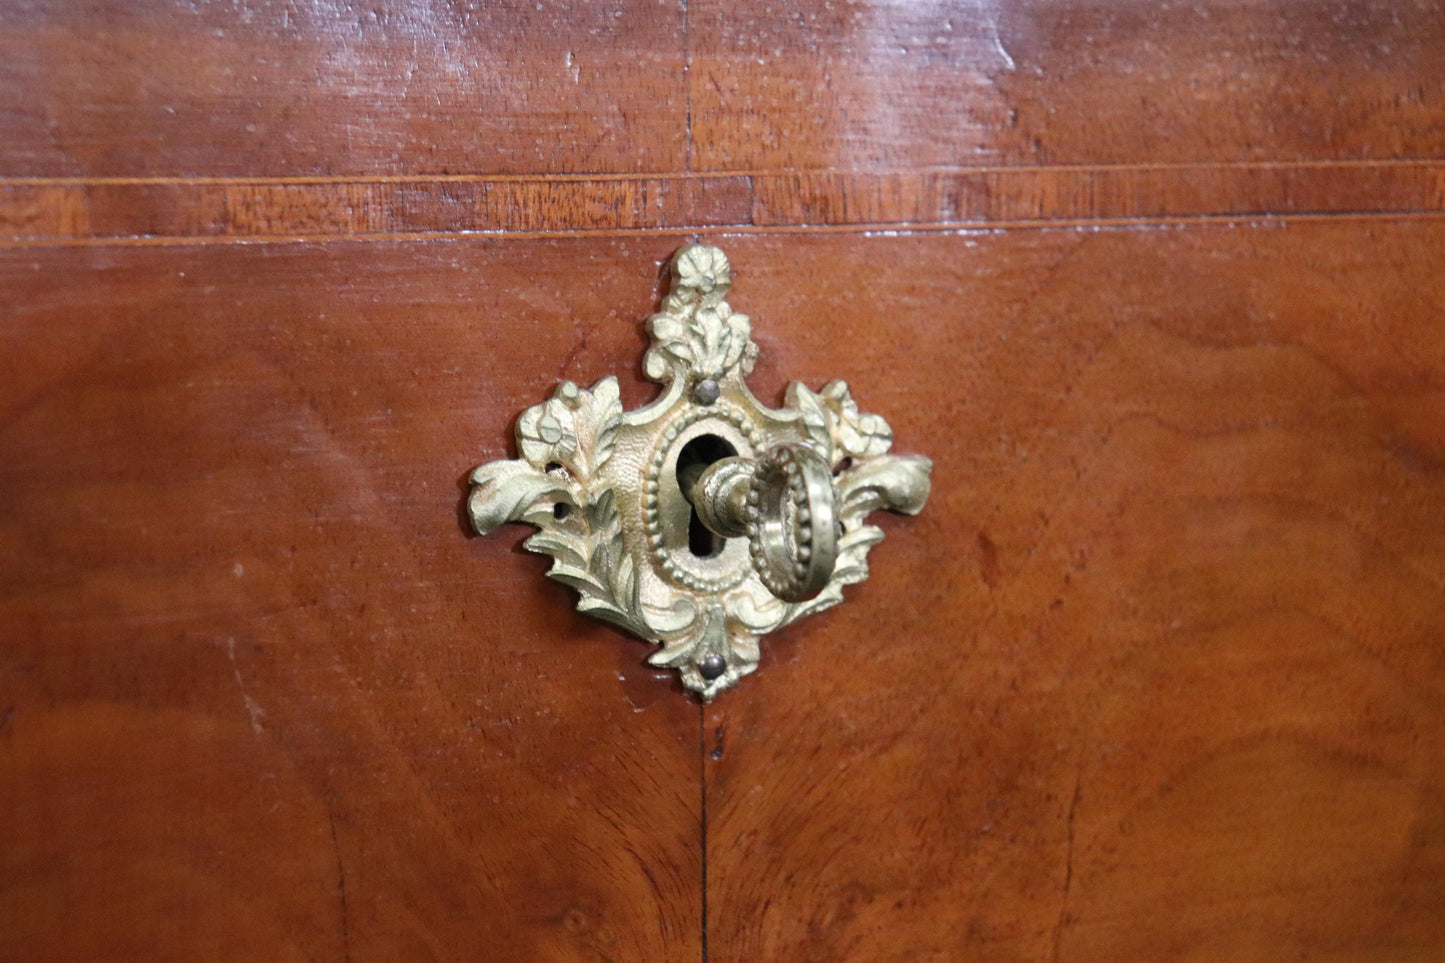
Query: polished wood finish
(277, 87)
(164, 210)
(1157, 674)
(260, 695)
(777, 84)
(164, 87)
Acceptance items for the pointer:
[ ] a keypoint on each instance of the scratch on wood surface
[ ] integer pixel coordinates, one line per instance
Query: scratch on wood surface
(341, 891)
(1068, 864)
(254, 712)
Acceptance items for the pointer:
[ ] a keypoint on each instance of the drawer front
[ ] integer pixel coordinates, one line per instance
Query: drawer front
(1157, 673)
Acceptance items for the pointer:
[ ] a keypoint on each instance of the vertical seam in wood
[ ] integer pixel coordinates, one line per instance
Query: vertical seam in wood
(687, 94)
(702, 793)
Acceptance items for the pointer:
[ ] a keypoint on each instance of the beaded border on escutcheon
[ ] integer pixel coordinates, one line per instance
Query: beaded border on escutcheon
(652, 516)
(781, 585)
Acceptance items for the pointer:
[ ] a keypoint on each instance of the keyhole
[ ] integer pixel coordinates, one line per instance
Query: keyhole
(694, 459)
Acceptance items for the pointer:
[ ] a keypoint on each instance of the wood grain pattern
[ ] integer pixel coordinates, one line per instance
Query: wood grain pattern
(856, 85)
(273, 87)
(61, 211)
(260, 695)
(49, 212)
(1159, 673)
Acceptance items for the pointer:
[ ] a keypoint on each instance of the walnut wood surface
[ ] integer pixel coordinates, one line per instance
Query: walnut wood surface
(1157, 675)
(796, 84)
(272, 87)
(168, 210)
(260, 695)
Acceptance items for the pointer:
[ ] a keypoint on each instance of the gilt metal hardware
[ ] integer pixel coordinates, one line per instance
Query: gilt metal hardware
(704, 520)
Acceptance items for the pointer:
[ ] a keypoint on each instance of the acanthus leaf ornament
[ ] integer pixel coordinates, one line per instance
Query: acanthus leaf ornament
(705, 519)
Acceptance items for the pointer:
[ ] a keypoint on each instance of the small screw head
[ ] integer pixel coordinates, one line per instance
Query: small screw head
(706, 392)
(712, 666)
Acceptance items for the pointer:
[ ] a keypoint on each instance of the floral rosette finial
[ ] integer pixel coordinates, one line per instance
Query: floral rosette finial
(704, 270)
(697, 330)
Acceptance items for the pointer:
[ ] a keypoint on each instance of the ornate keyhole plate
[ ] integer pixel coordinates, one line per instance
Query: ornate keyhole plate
(704, 520)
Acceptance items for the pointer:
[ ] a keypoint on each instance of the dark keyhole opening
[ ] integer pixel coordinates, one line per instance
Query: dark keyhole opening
(694, 459)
